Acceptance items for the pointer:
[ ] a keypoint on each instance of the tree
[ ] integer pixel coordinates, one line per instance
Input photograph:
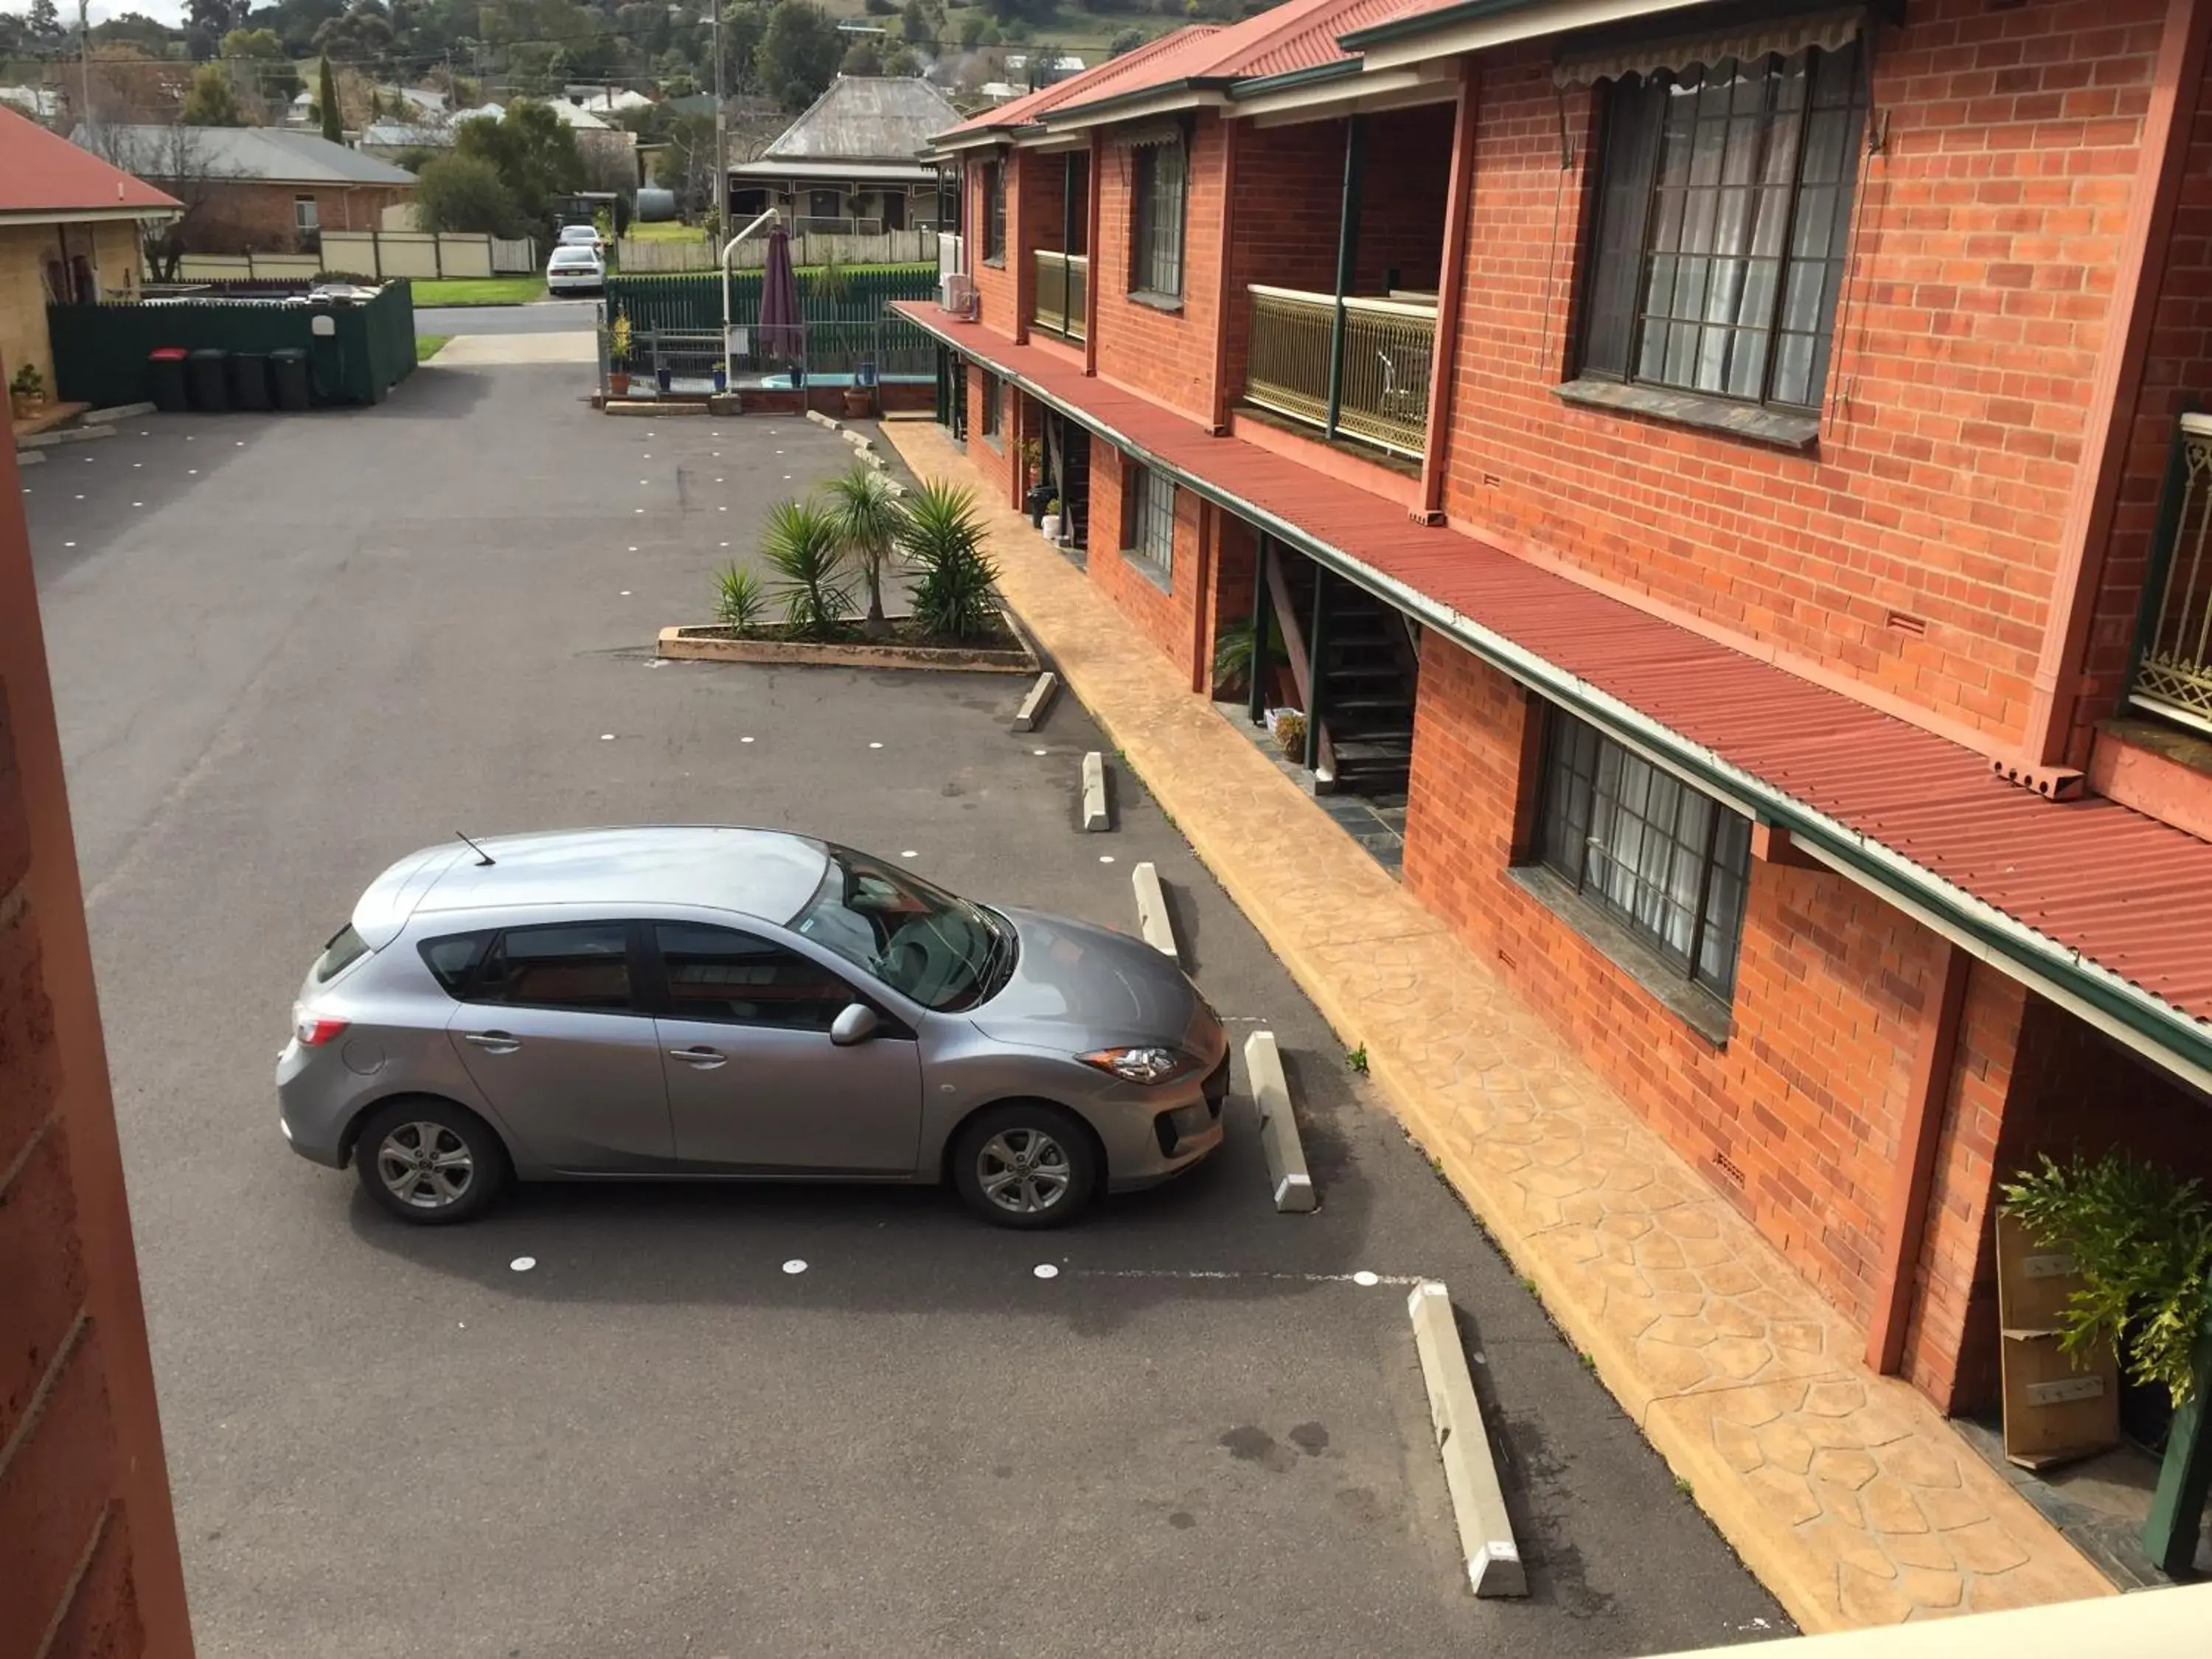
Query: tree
(265, 52)
(326, 104)
(464, 193)
(900, 60)
(533, 151)
(864, 57)
(798, 53)
(45, 23)
(215, 16)
(212, 101)
(1126, 40)
(177, 158)
(971, 29)
(913, 23)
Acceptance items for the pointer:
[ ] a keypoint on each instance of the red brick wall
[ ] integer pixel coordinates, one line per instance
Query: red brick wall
(1167, 619)
(237, 217)
(1805, 1098)
(2028, 1079)
(1401, 207)
(994, 283)
(72, 1479)
(1974, 307)
(995, 457)
(2176, 377)
(1166, 354)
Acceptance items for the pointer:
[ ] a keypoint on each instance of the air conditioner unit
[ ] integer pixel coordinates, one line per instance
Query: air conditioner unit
(959, 297)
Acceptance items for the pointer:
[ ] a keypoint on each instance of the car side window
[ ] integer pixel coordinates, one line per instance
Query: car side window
(735, 978)
(452, 959)
(583, 965)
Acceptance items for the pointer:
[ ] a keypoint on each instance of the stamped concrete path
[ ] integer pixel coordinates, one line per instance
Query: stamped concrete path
(1846, 1492)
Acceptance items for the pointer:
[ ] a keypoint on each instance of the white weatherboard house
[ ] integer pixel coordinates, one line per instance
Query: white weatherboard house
(850, 164)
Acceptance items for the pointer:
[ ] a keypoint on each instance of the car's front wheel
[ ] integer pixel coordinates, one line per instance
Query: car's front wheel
(430, 1161)
(1025, 1164)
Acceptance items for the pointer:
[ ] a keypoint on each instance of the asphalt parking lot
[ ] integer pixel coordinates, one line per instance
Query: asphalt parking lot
(288, 651)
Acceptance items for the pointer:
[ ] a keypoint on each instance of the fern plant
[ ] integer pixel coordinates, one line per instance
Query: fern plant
(739, 601)
(943, 538)
(2141, 1241)
(802, 545)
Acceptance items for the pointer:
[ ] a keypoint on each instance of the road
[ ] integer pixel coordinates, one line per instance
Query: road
(542, 317)
(287, 650)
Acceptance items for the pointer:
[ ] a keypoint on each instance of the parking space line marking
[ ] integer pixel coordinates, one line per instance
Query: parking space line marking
(1240, 1273)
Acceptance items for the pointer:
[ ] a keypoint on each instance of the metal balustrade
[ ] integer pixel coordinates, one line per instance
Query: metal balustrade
(1063, 287)
(1381, 388)
(2173, 668)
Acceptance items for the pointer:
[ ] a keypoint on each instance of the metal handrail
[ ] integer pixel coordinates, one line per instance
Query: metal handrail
(1382, 379)
(2173, 666)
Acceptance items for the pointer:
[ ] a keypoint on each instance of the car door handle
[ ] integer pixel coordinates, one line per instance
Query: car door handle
(699, 1057)
(497, 1042)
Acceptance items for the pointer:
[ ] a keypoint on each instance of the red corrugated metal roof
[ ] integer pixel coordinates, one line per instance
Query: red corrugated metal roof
(41, 172)
(2130, 894)
(1304, 36)
(1154, 61)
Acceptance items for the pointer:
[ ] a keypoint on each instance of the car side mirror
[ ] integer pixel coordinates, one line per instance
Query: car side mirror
(855, 1023)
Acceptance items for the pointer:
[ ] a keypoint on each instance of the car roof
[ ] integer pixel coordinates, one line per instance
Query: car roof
(572, 252)
(757, 872)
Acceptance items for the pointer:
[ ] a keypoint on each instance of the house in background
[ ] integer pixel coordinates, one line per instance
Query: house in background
(258, 189)
(849, 165)
(68, 230)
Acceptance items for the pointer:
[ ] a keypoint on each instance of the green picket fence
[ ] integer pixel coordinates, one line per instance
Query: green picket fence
(100, 351)
(688, 300)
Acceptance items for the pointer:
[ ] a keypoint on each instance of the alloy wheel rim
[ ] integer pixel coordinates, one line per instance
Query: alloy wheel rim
(425, 1166)
(1024, 1171)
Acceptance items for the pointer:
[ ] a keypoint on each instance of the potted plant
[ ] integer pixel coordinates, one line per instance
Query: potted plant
(618, 356)
(859, 403)
(1050, 523)
(27, 392)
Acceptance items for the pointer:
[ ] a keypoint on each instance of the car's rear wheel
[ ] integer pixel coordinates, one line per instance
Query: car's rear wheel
(1025, 1164)
(429, 1161)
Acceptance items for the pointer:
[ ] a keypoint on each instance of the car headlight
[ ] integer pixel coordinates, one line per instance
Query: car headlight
(1142, 1064)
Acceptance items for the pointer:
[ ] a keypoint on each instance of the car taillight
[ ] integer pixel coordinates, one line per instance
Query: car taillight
(312, 1031)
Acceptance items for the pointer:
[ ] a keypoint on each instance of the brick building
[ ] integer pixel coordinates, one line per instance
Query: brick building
(88, 1564)
(262, 190)
(69, 225)
(1721, 472)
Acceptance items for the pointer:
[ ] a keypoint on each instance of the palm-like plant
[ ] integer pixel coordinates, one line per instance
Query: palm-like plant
(869, 520)
(739, 601)
(943, 538)
(802, 545)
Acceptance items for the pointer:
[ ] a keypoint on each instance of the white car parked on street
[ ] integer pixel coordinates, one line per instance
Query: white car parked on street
(575, 269)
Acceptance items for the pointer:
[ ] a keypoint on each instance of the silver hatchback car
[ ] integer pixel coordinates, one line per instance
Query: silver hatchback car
(741, 1004)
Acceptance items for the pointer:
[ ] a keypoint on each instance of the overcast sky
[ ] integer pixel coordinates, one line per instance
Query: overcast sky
(166, 11)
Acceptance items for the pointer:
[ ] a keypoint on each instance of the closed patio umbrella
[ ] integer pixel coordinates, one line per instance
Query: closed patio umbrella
(781, 332)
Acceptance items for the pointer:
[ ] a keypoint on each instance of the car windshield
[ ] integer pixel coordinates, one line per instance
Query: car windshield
(923, 942)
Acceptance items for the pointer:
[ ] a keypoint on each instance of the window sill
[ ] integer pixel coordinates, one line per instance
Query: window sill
(999, 264)
(1162, 580)
(1765, 426)
(1694, 1006)
(997, 443)
(1167, 302)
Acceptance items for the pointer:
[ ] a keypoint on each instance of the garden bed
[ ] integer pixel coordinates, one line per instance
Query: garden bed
(1006, 652)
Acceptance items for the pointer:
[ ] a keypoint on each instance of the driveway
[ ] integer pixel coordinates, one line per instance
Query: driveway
(288, 651)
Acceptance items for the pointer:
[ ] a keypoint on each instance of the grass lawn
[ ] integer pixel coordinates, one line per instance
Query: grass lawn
(666, 233)
(425, 346)
(478, 290)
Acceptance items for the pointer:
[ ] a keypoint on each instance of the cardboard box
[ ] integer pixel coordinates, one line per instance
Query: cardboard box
(2057, 1406)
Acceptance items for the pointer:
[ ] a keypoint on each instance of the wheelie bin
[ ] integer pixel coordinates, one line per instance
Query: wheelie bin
(209, 380)
(249, 380)
(164, 374)
(288, 368)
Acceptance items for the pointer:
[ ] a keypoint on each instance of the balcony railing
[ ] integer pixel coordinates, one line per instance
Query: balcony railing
(1380, 385)
(2173, 674)
(1063, 288)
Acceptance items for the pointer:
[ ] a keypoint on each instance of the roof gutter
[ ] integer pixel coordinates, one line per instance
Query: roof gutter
(2144, 1022)
(1097, 108)
(1398, 29)
(1291, 79)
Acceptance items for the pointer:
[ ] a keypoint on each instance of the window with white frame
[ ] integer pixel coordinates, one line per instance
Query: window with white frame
(1150, 526)
(306, 217)
(994, 408)
(994, 214)
(1669, 865)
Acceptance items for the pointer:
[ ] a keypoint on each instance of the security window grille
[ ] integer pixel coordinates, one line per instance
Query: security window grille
(306, 217)
(1155, 256)
(1667, 863)
(994, 395)
(994, 214)
(1723, 208)
(1152, 521)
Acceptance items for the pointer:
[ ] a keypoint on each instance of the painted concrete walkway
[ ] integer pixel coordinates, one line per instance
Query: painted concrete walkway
(1847, 1493)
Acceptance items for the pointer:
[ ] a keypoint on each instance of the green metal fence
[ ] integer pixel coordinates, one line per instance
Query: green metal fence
(688, 300)
(100, 351)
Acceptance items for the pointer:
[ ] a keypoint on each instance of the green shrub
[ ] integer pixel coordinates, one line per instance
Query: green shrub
(803, 545)
(868, 523)
(739, 601)
(943, 539)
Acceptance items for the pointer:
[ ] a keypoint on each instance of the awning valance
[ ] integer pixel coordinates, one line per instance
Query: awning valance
(1152, 133)
(1828, 30)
